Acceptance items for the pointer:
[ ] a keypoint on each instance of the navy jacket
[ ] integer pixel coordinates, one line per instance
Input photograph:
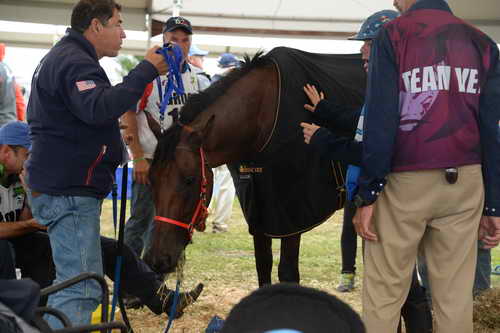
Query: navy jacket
(331, 146)
(413, 116)
(73, 115)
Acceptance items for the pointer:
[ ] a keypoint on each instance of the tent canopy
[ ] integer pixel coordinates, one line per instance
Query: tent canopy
(314, 19)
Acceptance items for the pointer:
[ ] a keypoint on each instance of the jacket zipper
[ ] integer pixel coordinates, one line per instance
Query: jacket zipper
(90, 171)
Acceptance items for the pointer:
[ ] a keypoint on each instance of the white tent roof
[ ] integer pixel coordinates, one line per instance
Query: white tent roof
(305, 19)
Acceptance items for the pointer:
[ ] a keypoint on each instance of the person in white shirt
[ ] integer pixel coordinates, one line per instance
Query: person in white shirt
(142, 142)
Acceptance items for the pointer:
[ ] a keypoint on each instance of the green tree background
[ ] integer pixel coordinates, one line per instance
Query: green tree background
(127, 63)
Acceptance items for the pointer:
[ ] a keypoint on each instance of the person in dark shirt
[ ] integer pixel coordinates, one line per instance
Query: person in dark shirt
(73, 114)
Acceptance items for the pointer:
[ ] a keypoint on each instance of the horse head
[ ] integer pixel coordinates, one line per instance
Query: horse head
(181, 181)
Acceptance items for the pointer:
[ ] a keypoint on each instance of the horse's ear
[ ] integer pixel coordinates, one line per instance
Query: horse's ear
(153, 125)
(196, 138)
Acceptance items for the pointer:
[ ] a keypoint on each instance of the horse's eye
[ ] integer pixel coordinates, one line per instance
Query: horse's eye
(190, 180)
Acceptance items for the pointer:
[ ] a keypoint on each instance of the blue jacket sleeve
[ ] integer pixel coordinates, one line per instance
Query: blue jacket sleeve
(337, 148)
(337, 116)
(94, 101)
(381, 119)
(489, 126)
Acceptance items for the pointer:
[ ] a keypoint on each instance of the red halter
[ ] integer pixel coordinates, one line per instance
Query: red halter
(201, 211)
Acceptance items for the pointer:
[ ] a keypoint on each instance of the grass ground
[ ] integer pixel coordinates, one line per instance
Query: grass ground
(225, 264)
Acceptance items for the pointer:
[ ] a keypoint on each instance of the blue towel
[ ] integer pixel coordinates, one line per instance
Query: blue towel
(351, 183)
(215, 325)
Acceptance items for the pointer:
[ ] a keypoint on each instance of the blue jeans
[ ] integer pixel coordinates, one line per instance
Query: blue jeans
(73, 227)
(482, 277)
(139, 227)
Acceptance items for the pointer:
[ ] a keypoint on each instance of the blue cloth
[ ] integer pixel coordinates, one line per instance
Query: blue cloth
(73, 117)
(215, 325)
(139, 227)
(351, 182)
(73, 228)
(15, 133)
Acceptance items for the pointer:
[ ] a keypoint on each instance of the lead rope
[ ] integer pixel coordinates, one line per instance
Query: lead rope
(174, 83)
(117, 297)
(174, 77)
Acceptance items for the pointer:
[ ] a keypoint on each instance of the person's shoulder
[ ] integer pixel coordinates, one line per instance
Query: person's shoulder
(68, 54)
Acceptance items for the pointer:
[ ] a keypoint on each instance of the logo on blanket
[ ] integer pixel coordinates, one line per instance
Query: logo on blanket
(244, 169)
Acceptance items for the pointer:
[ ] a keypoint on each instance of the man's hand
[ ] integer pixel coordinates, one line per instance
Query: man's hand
(489, 231)
(308, 130)
(156, 60)
(37, 226)
(362, 222)
(141, 172)
(314, 97)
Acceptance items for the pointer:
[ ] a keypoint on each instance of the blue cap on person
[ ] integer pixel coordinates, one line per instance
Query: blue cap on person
(371, 26)
(228, 60)
(15, 133)
(196, 51)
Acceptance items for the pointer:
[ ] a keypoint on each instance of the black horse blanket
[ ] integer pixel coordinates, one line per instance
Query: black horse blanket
(289, 188)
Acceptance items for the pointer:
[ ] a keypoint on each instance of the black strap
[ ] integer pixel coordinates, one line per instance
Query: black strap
(121, 231)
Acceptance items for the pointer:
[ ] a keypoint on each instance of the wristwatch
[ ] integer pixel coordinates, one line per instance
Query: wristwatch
(360, 202)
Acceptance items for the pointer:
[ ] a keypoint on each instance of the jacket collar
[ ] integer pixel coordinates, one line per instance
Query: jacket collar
(78, 37)
(431, 4)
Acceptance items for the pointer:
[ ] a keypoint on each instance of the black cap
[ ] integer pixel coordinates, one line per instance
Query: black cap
(178, 22)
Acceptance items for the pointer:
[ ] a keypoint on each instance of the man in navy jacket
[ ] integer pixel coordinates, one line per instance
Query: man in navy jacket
(73, 116)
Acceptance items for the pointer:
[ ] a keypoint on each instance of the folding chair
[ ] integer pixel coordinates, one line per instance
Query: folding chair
(104, 326)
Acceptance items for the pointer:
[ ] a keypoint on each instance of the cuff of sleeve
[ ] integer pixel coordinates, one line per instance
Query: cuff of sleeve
(370, 193)
(325, 109)
(320, 137)
(491, 210)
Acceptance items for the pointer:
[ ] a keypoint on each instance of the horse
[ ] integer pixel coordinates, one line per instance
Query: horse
(234, 120)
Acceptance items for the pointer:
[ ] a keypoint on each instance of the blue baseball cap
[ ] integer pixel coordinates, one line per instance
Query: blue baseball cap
(371, 26)
(15, 133)
(196, 51)
(228, 60)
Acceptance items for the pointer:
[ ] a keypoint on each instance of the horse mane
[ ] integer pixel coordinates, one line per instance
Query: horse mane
(199, 102)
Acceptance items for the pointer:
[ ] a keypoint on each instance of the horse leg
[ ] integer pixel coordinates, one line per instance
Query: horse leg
(288, 269)
(263, 258)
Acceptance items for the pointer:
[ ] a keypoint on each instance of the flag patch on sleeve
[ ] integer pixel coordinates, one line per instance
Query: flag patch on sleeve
(85, 85)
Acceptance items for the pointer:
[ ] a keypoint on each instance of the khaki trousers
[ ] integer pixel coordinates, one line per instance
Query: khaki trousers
(420, 209)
